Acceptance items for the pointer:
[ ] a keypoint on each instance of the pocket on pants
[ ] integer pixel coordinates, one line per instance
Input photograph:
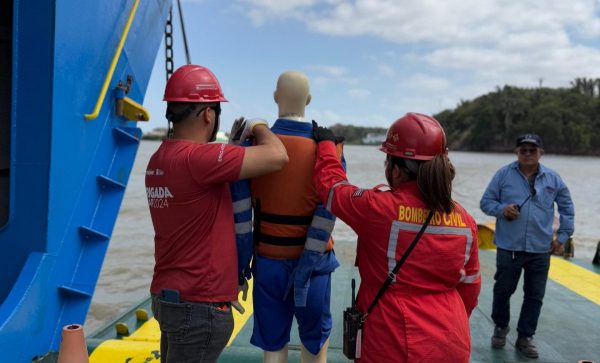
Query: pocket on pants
(222, 318)
(221, 326)
(175, 317)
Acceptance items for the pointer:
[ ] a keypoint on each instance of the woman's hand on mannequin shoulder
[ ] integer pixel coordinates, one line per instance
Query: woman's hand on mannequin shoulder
(321, 133)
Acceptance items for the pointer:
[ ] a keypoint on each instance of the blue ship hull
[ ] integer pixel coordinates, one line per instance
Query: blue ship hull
(65, 176)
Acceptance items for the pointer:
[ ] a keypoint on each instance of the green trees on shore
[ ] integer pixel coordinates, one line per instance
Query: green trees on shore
(359, 135)
(568, 120)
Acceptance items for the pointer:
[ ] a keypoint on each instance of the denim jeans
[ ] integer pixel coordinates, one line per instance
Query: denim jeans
(192, 331)
(508, 271)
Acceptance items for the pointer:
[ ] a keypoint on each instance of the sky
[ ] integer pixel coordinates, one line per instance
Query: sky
(371, 61)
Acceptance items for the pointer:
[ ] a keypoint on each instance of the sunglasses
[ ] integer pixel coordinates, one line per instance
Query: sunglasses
(216, 108)
(525, 151)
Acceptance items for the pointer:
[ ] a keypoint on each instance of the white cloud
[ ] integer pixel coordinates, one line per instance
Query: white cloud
(557, 65)
(454, 22)
(494, 40)
(476, 45)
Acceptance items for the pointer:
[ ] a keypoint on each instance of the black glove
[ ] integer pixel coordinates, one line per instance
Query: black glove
(321, 133)
(236, 131)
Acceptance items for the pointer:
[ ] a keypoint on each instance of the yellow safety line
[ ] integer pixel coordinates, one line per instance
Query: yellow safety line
(576, 278)
(239, 320)
(568, 274)
(150, 330)
(113, 64)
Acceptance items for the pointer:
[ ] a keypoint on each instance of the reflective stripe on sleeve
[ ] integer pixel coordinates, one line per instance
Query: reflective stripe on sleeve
(316, 245)
(330, 197)
(470, 279)
(243, 227)
(322, 223)
(241, 205)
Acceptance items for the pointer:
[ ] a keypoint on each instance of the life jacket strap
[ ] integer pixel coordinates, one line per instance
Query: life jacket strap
(281, 241)
(285, 219)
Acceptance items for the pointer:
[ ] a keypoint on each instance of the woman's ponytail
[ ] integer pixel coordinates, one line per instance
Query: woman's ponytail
(434, 178)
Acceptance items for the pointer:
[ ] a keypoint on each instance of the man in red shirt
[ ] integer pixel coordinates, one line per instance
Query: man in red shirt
(187, 185)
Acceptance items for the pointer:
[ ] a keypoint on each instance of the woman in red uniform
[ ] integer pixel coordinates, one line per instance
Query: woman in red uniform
(423, 315)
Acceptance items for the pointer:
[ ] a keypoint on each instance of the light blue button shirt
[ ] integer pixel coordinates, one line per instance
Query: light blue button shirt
(532, 230)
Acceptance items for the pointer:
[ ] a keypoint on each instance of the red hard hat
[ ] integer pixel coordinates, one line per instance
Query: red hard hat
(192, 83)
(415, 136)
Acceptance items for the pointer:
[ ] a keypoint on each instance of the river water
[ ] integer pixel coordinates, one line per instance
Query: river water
(127, 269)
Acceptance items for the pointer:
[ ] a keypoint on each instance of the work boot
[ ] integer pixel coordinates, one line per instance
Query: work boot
(499, 337)
(526, 347)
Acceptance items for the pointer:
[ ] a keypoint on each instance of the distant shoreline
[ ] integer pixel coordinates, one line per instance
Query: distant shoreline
(153, 137)
(159, 135)
(156, 137)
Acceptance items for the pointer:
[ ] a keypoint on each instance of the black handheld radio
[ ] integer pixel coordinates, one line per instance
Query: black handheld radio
(353, 319)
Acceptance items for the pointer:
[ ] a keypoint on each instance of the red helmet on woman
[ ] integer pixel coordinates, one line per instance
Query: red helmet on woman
(192, 83)
(415, 136)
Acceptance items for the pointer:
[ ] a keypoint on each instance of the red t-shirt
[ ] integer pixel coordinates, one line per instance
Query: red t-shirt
(192, 213)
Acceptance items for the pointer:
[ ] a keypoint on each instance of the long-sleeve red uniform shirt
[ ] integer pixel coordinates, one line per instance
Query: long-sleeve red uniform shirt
(423, 316)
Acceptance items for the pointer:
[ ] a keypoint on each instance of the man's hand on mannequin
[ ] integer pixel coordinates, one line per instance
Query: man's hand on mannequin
(236, 304)
(236, 131)
(243, 128)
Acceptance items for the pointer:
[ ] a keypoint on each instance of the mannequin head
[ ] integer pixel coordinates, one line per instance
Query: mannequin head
(292, 94)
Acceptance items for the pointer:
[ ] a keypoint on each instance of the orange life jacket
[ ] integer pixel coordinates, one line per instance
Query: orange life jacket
(284, 202)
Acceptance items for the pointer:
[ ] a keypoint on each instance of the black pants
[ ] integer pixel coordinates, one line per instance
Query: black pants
(508, 271)
(191, 332)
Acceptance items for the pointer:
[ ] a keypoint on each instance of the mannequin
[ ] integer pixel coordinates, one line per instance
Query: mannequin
(292, 271)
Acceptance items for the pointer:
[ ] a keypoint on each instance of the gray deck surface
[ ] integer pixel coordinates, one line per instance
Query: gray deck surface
(568, 330)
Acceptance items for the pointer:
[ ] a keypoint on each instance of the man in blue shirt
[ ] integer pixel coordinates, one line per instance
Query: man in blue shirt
(521, 196)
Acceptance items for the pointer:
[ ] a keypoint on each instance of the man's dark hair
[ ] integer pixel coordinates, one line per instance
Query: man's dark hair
(179, 111)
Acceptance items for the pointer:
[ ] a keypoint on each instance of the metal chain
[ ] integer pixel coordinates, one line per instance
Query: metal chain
(169, 59)
(169, 46)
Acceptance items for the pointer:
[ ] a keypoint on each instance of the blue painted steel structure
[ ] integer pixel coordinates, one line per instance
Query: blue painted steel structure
(67, 175)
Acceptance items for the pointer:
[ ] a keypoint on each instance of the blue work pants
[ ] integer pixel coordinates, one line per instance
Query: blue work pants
(508, 272)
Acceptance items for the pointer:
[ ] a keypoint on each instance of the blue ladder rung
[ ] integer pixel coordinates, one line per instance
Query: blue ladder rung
(127, 134)
(92, 234)
(71, 291)
(107, 182)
